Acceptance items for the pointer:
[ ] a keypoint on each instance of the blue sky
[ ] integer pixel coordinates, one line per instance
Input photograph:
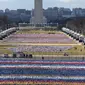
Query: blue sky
(29, 4)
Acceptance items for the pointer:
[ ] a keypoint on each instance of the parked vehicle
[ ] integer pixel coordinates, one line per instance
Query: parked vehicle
(7, 32)
(73, 34)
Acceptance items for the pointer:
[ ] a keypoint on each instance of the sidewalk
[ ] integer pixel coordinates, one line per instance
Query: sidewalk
(50, 57)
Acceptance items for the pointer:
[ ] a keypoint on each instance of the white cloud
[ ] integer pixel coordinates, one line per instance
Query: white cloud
(5, 0)
(66, 1)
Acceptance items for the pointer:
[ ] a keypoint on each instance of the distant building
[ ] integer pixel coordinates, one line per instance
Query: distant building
(64, 11)
(1, 11)
(77, 12)
(21, 10)
(83, 12)
(24, 17)
(52, 14)
(7, 10)
(28, 12)
(14, 12)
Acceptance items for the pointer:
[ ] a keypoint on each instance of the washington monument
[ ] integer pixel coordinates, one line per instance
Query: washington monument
(38, 17)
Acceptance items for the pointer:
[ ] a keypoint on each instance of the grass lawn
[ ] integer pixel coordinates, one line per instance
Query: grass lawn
(6, 46)
(45, 53)
(5, 51)
(36, 31)
(42, 83)
(77, 50)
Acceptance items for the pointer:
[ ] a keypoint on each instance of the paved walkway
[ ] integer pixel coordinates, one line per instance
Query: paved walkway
(50, 57)
(39, 44)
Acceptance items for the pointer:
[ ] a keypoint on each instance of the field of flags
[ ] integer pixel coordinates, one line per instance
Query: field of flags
(18, 70)
(23, 42)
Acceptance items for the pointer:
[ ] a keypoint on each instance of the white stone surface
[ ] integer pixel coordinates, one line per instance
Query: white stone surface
(38, 17)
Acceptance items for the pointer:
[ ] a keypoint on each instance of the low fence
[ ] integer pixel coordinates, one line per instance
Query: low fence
(81, 58)
(49, 57)
(38, 28)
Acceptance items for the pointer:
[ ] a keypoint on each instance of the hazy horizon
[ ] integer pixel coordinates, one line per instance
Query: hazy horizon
(26, 4)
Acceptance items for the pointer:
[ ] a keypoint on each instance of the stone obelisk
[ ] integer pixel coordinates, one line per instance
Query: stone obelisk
(37, 17)
(38, 12)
